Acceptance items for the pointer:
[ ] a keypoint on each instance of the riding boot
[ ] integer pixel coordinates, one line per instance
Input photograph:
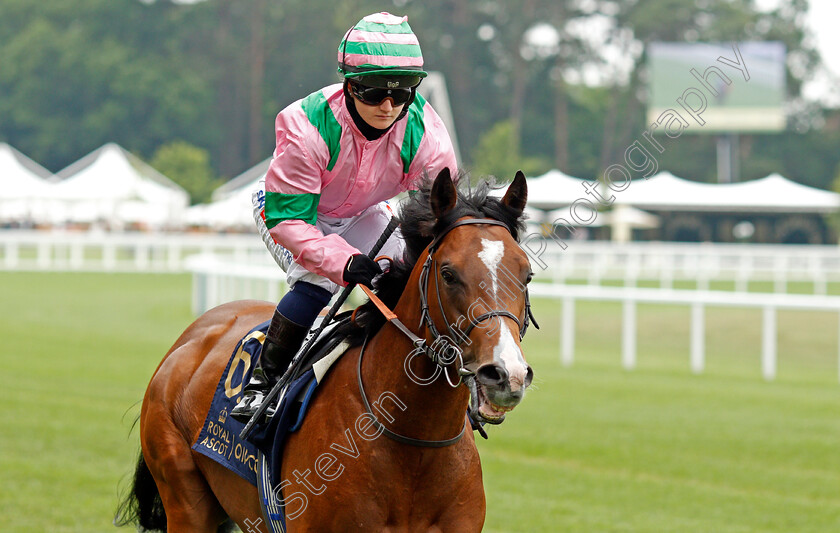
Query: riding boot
(282, 341)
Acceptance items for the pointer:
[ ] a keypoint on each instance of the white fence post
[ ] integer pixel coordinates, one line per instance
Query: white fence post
(768, 343)
(12, 255)
(567, 332)
(44, 255)
(698, 338)
(628, 336)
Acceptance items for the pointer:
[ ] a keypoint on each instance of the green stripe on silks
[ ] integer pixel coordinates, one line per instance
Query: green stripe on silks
(384, 49)
(280, 207)
(364, 25)
(414, 130)
(321, 116)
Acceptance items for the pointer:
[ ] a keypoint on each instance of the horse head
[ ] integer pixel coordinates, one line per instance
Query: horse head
(476, 291)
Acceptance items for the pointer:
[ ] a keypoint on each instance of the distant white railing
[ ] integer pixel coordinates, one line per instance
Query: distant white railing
(702, 263)
(592, 261)
(630, 297)
(121, 252)
(217, 281)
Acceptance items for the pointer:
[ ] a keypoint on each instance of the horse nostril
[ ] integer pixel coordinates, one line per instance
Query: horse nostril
(529, 377)
(492, 374)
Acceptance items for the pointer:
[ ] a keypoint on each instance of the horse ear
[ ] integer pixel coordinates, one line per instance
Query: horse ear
(517, 194)
(444, 195)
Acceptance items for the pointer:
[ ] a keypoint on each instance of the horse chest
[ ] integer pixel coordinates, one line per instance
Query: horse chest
(385, 486)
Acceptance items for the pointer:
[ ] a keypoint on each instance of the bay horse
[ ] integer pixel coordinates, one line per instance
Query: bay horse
(461, 260)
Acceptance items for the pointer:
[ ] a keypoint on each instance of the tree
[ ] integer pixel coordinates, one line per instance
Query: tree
(64, 97)
(189, 167)
(709, 21)
(498, 154)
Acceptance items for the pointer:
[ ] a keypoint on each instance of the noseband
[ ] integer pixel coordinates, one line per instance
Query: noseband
(451, 348)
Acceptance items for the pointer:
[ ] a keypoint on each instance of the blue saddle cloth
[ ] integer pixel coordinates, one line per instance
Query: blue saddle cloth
(219, 436)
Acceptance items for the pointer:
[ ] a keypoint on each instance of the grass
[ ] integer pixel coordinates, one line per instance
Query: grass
(77, 354)
(592, 448)
(596, 448)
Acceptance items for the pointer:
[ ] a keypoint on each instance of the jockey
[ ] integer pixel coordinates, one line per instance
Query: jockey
(341, 153)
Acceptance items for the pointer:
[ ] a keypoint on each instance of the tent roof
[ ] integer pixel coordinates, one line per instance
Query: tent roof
(553, 190)
(632, 217)
(774, 193)
(111, 173)
(20, 177)
(666, 192)
(247, 179)
(777, 193)
(233, 211)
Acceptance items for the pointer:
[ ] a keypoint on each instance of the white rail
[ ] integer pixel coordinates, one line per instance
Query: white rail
(630, 297)
(121, 252)
(216, 281)
(630, 263)
(593, 261)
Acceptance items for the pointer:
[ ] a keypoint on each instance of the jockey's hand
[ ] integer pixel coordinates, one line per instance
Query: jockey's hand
(361, 269)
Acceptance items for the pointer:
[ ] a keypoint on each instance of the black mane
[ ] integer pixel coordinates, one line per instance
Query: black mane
(419, 227)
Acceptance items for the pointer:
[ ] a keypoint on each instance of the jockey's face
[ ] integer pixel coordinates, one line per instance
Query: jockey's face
(379, 116)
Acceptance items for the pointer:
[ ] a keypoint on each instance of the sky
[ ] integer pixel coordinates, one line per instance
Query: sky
(822, 19)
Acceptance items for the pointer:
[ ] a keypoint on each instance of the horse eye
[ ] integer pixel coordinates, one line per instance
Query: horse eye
(447, 276)
(529, 278)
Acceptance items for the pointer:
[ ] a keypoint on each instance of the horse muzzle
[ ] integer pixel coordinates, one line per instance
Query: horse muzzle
(497, 392)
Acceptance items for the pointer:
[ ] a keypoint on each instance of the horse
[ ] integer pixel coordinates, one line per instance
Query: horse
(427, 475)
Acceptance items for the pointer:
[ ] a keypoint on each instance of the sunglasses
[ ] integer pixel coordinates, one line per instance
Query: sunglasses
(376, 95)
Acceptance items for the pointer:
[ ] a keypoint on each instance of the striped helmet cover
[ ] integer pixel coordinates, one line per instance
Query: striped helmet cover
(381, 44)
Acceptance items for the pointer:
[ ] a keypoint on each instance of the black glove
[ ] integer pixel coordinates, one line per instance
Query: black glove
(361, 269)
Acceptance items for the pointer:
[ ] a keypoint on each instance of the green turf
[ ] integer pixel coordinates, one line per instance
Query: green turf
(596, 448)
(77, 354)
(592, 448)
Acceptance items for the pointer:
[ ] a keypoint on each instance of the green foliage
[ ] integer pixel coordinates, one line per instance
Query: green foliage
(498, 154)
(189, 167)
(833, 219)
(111, 75)
(79, 73)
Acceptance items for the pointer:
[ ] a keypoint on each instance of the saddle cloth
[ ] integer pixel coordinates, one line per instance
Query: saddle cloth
(219, 436)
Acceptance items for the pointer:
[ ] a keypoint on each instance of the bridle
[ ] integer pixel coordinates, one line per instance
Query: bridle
(455, 331)
(444, 349)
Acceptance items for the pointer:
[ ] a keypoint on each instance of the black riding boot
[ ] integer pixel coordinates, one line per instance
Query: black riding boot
(282, 341)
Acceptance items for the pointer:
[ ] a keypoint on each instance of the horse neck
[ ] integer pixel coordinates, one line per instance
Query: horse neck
(433, 410)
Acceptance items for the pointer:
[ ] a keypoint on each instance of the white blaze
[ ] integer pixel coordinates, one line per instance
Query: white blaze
(491, 255)
(506, 352)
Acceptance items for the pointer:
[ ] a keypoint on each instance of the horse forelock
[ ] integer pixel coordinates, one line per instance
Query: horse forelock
(419, 228)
